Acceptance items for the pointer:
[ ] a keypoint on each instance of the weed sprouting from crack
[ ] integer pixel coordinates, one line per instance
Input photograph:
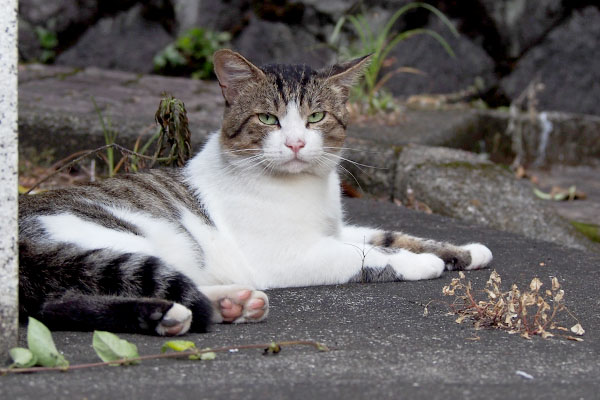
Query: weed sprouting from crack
(528, 313)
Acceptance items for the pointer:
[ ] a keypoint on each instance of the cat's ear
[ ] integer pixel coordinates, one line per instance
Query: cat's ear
(347, 74)
(234, 72)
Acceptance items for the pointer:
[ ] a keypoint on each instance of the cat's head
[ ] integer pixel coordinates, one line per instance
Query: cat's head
(284, 118)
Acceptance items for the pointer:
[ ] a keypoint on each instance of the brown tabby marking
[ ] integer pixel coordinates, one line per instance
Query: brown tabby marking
(454, 257)
(271, 88)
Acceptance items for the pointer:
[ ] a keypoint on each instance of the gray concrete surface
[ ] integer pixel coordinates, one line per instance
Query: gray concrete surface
(382, 345)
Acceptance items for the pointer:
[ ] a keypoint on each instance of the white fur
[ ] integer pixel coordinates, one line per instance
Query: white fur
(179, 314)
(480, 255)
(287, 229)
(293, 129)
(88, 235)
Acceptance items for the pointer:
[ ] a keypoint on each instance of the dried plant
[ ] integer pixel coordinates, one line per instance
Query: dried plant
(171, 141)
(174, 137)
(528, 313)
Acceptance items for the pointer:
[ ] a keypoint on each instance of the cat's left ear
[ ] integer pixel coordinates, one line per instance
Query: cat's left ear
(347, 74)
(234, 72)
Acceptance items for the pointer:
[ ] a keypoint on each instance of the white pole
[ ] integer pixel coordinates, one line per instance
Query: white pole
(8, 178)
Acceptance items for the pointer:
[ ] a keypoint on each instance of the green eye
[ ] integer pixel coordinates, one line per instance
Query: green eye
(268, 119)
(316, 117)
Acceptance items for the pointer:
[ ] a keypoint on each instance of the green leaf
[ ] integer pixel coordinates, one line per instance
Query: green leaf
(110, 347)
(48, 39)
(273, 348)
(542, 195)
(39, 341)
(211, 355)
(22, 358)
(178, 345)
(322, 347)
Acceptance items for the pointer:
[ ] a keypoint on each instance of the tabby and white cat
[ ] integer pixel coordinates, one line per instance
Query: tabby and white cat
(259, 207)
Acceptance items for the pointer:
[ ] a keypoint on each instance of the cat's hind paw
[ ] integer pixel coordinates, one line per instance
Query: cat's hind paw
(176, 321)
(237, 304)
(481, 256)
(421, 266)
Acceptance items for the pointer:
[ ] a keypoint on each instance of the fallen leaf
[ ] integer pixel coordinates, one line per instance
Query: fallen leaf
(22, 358)
(109, 347)
(211, 355)
(178, 345)
(39, 341)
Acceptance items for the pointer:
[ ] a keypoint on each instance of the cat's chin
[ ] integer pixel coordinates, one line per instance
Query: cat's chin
(295, 166)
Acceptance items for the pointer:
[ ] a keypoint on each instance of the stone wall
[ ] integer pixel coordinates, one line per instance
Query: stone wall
(504, 44)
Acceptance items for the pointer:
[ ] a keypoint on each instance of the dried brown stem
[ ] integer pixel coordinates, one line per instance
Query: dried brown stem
(183, 354)
(85, 154)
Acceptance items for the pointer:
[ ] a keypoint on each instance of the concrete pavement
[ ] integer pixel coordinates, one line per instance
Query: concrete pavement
(382, 345)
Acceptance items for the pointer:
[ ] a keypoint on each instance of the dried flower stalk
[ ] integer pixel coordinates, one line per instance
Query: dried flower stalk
(528, 313)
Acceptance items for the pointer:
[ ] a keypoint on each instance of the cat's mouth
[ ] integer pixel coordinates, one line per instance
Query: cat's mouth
(295, 165)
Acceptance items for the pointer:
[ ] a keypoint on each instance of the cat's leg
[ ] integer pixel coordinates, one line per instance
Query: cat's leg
(236, 303)
(465, 257)
(328, 261)
(81, 312)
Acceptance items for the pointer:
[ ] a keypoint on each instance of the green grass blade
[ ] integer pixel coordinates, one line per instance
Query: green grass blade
(407, 34)
(360, 31)
(442, 17)
(414, 5)
(368, 30)
(337, 29)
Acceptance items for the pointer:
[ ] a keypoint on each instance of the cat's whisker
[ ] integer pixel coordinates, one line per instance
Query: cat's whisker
(337, 160)
(352, 175)
(354, 162)
(243, 164)
(351, 149)
(329, 163)
(240, 151)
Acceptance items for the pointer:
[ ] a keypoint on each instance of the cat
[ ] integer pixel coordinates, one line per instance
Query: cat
(173, 250)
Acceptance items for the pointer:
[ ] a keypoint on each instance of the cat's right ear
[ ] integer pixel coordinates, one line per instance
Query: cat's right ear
(234, 72)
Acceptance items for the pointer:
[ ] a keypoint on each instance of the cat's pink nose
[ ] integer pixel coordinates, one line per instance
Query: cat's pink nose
(295, 145)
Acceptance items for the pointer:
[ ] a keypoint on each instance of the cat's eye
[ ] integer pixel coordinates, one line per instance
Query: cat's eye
(268, 119)
(316, 117)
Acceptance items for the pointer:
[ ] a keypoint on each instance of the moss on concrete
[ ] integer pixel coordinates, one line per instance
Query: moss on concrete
(591, 231)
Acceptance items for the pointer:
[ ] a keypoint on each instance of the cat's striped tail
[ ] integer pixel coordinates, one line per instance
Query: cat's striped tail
(72, 289)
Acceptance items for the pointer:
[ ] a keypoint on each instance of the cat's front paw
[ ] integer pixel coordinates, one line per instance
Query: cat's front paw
(481, 256)
(420, 266)
(176, 321)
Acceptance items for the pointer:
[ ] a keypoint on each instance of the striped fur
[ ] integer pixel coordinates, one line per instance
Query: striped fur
(51, 270)
(455, 258)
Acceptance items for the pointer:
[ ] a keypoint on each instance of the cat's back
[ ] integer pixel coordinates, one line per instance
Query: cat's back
(159, 193)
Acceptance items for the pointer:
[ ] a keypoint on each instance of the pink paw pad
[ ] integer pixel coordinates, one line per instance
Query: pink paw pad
(244, 306)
